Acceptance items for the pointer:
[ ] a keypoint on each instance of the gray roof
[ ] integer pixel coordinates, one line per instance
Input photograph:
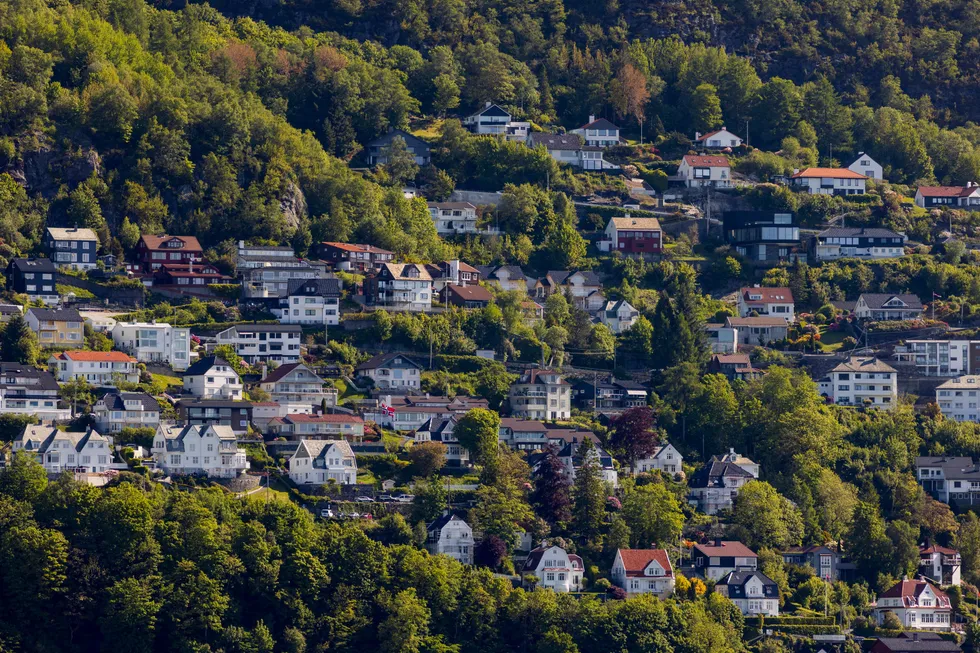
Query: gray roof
(38, 438)
(204, 365)
(572, 142)
(56, 314)
(117, 400)
(858, 232)
(877, 300)
(316, 449)
(444, 519)
(33, 264)
(314, 287)
(715, 473)
(863, 364)
(11, 375)
(919, 643)
(410, 140)
(174, 435)
(385, 360)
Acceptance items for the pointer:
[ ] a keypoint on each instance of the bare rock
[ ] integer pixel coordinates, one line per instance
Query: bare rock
(293, 205)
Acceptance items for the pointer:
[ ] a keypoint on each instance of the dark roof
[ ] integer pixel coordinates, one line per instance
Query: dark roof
(515, 272)
(314, 287)
(444, 519)
(736, 580)
(116, 400)
(560, 142)
(411, 140)
(491, 110)
(269, 328)
(601, 123)
(33, 264)
(877, 300)
(915, 643)
(281, 371)
(382, 360)
(715, 473)
(56, 314)
(856, 232)
(203, 365)
(43, 380)
(469, 293)
(561, 276)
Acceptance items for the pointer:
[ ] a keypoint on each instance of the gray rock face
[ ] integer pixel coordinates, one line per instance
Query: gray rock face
(293, 205)
(45, 169)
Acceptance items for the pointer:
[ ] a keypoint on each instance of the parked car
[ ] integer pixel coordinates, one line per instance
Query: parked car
(404, 498)
(385, 497)
(364, 499)
(327, 513)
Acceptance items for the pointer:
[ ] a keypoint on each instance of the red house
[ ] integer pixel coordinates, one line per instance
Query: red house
(154, 251)
(633, 236)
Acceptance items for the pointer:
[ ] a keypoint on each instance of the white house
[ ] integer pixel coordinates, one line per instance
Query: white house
(453, 217)
(718, 139)
(312, 302)
(713, 488)
(865, 165)
(261, 343)
(208, 449)
(392, 371)
(883, 306)
(540, 394)
(858, 242)
(643, 571)
(619, 316)
(570, 149)
(297, 384)
(449, 535)
(598, 133)
(917, 604)
(440, 429)
(507, 277)
(66, 451)
(555, 569)
(26, 390)
(213, 378)
(665, 458)
(154, 342)
(100, 368)
(940, 564)
(957, 398)
(705, 171)
(320, 461)
(776, 302)
(861, 381)
(751, 591)
(116, 411)
(571, 457)
(941, 357)
(829, 181)
(492, 120)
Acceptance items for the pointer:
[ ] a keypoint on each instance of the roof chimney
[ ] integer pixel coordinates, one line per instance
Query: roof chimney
(718, 542)
(697, 135)
(591, 118)
(487, 104)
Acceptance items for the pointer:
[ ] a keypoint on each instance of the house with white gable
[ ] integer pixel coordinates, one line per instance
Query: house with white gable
(643, 571)
(507, 277)
(451, 536)
(440, 429)
(570, 149)
(714, 487)
(205, 449)
(940, 564)
(884, 306)
(718, 139)
(619, 316)
(705, 171)
(713, 560)
(492, 120)
(917, 604)
(213, 377)
(598, 133)
(313, 302)
(555, 569)
(400, 287)
(392, 371)
(776, 302)
(865, 165)
(751, 591)
(861, 381)
(453, 217)
(829, 181)
(540, 394)
(154, 342)
(665, 458)
(116, 411)
(66, 451)
(570, 455)
(956, 197)
(320, 461)
(296, 384)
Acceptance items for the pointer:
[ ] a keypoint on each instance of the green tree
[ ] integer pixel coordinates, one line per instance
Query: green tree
(431, 498)
(479, 431)
(705, 108)
(400, 166)
(565, 247)
(130, 616)
(77, 390)
(446, 94)
(23, 478)
(19, 343)
(406, 626)
(765, 517)
(588, 496)
(129, 234)
(427, 458)
(654, 516)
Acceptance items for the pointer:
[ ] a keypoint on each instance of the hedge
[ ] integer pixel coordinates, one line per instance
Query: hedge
(791, 620)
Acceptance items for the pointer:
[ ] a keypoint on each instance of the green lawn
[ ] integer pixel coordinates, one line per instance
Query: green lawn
(429, 132)
(166, 379)
(831, 340)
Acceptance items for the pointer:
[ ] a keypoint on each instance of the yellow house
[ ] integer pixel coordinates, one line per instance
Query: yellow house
(61, 327)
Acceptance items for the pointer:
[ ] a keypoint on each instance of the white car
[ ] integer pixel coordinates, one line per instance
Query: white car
(404, 498)
(364, 499)
(326, 513)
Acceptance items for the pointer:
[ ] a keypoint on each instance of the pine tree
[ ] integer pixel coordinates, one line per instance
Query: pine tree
(552, 497)
(590, 497)
(19, 344)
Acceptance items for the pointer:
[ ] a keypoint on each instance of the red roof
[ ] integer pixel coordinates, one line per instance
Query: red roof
(909, 591)
(637, 560)
(935, 548)
(829, 173)
(727, 548)
(345, 246)
(707, 161)
(733, 359)
(947, 191)
(710, 134)
(191, 243)
(767, 295)
(470, 293)
(97, 356)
